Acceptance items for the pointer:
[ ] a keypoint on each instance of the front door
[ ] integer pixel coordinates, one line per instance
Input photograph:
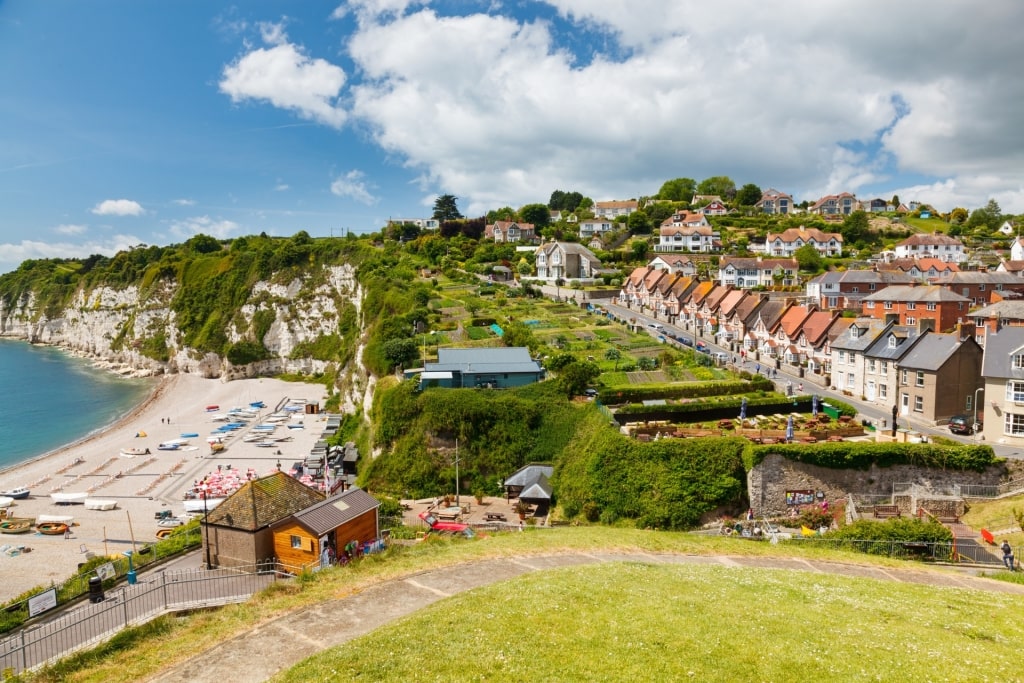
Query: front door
(904, 404)
(871, 390)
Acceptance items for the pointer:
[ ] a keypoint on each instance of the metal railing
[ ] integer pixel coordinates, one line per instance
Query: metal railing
(133, 605)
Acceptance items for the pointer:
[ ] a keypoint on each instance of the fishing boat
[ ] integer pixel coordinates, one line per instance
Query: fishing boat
(190, 435)
(216, 447)
(100, 504)
(202, 505)
(68, 498)
(132, 452)
(168, 446)
(6, 501)
(52, 528)
(64, 519)
(17, 493)
(212, 408)
(16, 525)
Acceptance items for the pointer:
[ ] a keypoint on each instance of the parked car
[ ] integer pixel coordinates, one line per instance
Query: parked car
(962, 424)
(720, 357)
(656, 326)
(591, 392)
(685, 341)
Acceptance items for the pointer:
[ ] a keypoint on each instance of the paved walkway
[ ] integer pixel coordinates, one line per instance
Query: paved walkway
(272, 647)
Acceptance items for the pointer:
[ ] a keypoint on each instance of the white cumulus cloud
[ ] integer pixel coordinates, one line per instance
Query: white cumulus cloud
(70, 229)
(283, 75)
(353, 186)
(118, 207)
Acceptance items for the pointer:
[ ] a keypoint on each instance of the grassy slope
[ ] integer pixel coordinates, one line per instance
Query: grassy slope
(174, 640)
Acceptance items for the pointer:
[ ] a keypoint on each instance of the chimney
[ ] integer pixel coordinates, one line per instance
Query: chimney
(965, 331)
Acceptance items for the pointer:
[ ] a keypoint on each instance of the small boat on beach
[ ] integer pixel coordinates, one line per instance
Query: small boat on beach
(6, 501)
(202, 505)
(68, 498)
(100, 504)
(17, 493)
(132, 452)
(52, 528)
(16, 525)
(65, 519)
(212, 408)
(168, 446)
(190, 435)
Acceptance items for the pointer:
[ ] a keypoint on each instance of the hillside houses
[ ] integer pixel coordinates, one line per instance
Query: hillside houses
(938, 246)
(746, 273)
(566, 261)
(687, 231)
(909, 305)
(842, 204)
(844, 289)
(774, 202)
(787, 242)
(510, 231)
(615, 208)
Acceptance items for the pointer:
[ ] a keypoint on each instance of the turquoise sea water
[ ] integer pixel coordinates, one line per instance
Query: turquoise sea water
(49, 399)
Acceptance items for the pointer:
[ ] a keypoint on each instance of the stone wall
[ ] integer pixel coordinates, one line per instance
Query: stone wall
(768, 482)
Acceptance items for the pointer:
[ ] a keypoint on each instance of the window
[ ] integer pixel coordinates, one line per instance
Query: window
(1018, 361)
(911, 320)
(911, 305)
(854, 332)
(918, 404)
(892, 342)
(919, 379)
(903, 377)
(871, 287)
(296, 541)
(855, 290)
(849, 381)
(871, 365)
(1015, 391)
(970, 400)
(930, 306)
(1013, 425)
(883, 367)
(869, 304)
(842, 356)
(888, 305)
(883, 391)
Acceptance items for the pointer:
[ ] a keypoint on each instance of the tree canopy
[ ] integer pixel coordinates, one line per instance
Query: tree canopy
(678, 190)
(721, 185)
(537, 214)
(446, 208)
(748, 195)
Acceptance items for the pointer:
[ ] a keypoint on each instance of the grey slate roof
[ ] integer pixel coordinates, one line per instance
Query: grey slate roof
(863, 276)
(973, 277)
(868, 330)
(484, 360)
(907, 337)
(999, 350)
(932, 351)
(919, 293)
(534, 482)
(330, 514)
(1012, 310)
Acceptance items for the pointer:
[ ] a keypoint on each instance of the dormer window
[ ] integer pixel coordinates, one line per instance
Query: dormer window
(892, 342)
(854, 332)
(1018, 361)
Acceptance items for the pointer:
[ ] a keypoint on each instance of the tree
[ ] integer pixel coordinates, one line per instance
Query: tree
(678, 190)
(615, 355)
(721, 185)
(446, 208)
(524, 268)
(538, 214)
(988, 217)
(958, 215)
(505, 213)
(639, 249)
(808, 258)
(639, 223)
(557, 361)
(856, 227)
(399, 352)
(895, 201)
(520, 334)
(564, 201)
(749, 195)
(574, 377)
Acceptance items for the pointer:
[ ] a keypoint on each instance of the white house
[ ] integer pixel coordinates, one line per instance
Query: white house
(687, 231)
(942, 247)
(615, 208)
(788, 241)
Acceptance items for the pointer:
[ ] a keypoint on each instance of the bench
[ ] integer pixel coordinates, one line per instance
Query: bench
(495, 516)
(448, 516)
(886, 511)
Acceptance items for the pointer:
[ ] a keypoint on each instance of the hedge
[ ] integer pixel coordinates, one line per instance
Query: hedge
(648, 392)
(861, 456)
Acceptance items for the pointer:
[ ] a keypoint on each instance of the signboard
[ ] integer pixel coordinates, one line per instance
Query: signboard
(106, 571)
(41, 602)
(801, 497)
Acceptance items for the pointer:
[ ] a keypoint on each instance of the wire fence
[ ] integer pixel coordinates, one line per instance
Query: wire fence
(131, 605)
(16, 613)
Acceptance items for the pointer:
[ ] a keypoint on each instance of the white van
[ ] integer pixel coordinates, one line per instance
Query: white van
(721, 358)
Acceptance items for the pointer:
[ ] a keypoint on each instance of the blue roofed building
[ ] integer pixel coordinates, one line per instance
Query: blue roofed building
(490, 368)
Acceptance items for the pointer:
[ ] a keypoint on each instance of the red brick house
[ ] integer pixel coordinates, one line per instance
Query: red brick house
(909, 304)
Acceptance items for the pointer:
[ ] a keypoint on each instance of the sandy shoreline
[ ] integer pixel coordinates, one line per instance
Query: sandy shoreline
(145, 484)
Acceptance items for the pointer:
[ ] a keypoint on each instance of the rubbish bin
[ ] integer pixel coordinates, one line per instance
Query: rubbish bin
(95, 589)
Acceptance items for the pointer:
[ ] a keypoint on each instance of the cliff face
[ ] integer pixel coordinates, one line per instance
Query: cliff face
(111, 325)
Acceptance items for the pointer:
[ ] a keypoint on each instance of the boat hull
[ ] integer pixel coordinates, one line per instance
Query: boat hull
(52, 528)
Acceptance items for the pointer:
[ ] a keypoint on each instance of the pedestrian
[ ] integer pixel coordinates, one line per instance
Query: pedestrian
(1007, 555)
(800, 388)
(750, 514)
(757, 369)
(775, 373)
(67, 533)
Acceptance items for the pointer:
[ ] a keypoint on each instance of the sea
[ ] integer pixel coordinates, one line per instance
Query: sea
(49, 399)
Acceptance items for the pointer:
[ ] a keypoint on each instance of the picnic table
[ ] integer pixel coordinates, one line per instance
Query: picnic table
(451, 514)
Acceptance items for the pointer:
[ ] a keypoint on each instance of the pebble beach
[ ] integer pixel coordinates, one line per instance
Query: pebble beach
(146, 484)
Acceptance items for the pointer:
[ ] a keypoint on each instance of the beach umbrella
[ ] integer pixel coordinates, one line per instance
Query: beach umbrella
(814, 405)
(789, 428)
(743, 408)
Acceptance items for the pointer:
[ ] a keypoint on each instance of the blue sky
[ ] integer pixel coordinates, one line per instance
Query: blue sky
(127, 122)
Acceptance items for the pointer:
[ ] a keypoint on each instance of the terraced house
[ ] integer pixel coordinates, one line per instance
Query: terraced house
(910, 304)
(747, 273)
(787, 242)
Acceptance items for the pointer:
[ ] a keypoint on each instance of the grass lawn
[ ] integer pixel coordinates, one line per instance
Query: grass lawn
(996, 516)
(633, 622)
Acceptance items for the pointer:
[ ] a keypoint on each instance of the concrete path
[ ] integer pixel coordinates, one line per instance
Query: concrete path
(267, 649)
